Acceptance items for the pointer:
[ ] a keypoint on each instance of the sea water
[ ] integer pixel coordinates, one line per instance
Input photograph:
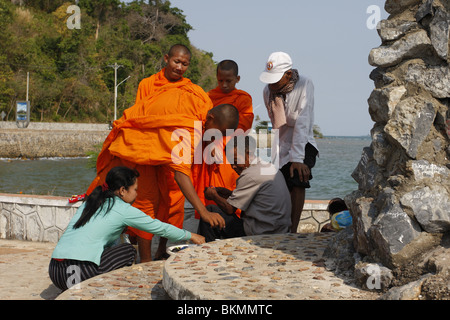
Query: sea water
(338, 157)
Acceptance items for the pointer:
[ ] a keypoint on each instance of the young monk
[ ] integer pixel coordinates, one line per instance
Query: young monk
(226, 92)
(142, 139)
(223, 175)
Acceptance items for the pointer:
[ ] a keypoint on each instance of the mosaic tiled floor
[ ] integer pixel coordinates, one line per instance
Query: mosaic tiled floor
(277, 267)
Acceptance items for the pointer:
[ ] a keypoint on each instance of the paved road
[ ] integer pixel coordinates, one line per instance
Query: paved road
(24, 271)
(24, 276)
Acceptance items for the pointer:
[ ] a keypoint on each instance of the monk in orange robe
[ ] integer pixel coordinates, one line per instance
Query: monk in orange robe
(175, 198)
(216, 174)
(148, 133)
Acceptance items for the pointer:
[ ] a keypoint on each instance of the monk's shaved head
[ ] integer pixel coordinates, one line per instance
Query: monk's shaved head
(224, 116)
(228, 65)
(179, 48)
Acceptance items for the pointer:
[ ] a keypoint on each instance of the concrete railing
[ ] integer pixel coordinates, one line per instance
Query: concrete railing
(44, 218)
(34, 218)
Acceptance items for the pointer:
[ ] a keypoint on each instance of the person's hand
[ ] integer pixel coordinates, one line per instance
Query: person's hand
(210, 193)
(197, 239)
(303, 171)
(214, 219)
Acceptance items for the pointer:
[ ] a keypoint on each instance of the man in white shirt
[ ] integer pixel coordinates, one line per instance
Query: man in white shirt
(261, 194)
(289, 99)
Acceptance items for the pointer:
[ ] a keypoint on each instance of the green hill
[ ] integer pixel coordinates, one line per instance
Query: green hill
(71, 78)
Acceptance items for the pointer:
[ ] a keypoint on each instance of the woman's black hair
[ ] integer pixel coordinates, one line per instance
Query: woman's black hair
(116, 178)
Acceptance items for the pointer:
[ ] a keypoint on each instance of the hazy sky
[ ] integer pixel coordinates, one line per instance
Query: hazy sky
(329, 41)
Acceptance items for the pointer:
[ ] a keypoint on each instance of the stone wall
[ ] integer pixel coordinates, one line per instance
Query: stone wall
(43, 140)
(401, 210)
(44, 218)
(34, 218)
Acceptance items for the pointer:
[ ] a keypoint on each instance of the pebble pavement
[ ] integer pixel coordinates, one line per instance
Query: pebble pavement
(267, 267)
(270, 267)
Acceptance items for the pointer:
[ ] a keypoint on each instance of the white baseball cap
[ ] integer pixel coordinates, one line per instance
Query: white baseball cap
(277, 64)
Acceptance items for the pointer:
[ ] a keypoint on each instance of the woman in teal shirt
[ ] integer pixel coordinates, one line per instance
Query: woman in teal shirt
(86, 247)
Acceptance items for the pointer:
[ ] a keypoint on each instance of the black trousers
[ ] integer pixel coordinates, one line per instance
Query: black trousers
(310, 160)
(234, 226)
(67, 273)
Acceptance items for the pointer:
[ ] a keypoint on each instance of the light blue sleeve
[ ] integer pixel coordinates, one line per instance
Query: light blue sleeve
(137, 219)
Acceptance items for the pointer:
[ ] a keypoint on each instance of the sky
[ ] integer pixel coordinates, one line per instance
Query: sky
(329, 42)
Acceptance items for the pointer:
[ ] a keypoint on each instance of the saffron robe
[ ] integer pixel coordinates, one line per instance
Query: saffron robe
(223, 175)
(142, 139)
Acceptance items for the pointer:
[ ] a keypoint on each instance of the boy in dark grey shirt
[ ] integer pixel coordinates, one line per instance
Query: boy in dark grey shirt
(261, 194)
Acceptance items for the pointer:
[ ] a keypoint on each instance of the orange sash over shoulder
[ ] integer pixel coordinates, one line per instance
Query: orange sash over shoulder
(238, 98)
(150, 85)
(223, 175)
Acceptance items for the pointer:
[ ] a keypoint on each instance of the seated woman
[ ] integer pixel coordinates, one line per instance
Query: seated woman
(85, 249)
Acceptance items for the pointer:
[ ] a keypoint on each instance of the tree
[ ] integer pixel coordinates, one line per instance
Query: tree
(317, 132)
(69, 75)
(44, 5)
(99, 9)
(262, 125)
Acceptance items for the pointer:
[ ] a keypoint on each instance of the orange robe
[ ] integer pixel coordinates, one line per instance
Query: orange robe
(223, 175)
(142, 139)
(171, 208)
(238, 98)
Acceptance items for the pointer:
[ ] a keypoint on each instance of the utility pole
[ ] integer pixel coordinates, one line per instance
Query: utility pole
(115, 104)
(116, 67)
(28, 84)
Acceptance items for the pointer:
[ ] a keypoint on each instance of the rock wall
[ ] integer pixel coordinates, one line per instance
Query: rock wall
(43, 140)
(401, 210)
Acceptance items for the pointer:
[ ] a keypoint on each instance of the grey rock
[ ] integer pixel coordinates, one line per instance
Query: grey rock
(381, 77)
(439, 33)
(366, 173)
(340, 249)
(425, 9)
(435, 79)
(422, 169)
(382, 102)
(373, 276)
(390, 30)
(396, 6)
(363, 212)
(382, 149)
(431, 207)
(410, 123)
(391, 231)
(410, 291)
(412, 45)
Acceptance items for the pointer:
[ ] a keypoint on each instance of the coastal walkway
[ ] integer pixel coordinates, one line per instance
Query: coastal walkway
(290, 266)
(286, 267)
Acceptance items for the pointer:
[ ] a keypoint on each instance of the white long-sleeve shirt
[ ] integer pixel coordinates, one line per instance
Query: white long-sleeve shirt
(298, 130)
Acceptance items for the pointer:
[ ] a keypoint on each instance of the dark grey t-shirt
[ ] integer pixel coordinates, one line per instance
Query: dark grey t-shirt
(261, 193)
